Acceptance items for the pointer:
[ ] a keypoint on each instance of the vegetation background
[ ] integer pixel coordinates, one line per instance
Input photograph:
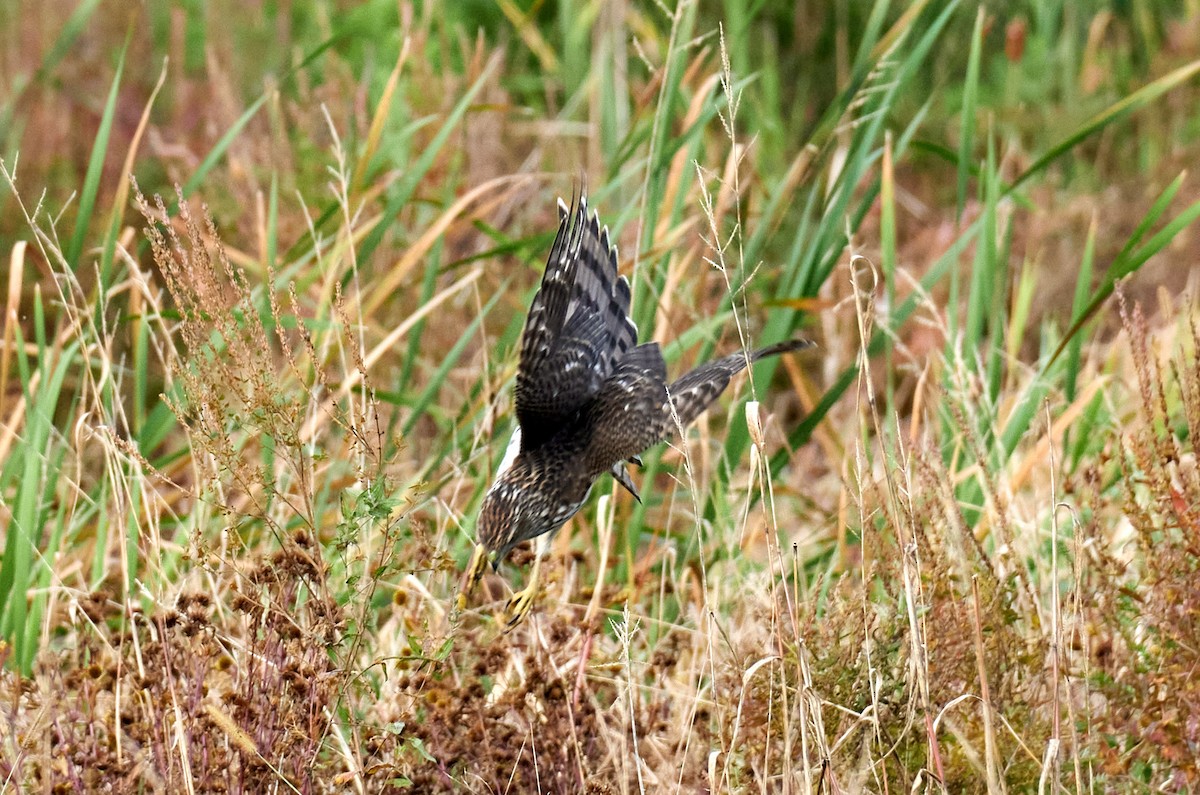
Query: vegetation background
(246, 426)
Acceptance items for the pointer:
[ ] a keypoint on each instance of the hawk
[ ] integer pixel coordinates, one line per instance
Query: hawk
(589, 399)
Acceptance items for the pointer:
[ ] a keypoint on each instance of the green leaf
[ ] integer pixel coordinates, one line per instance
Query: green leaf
(418, 745)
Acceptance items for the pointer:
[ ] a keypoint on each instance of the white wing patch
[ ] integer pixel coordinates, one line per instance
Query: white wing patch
(510, 455)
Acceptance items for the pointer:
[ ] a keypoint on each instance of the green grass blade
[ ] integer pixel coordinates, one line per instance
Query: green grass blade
(970, 102)
(63, 44)
(413, 176)
(91, 182)
(1118, 110)
(1151, 217)
(23, 552)
(1083, 284)
(448, 361)
(1131, 258)
(980, 293)
(222, 146)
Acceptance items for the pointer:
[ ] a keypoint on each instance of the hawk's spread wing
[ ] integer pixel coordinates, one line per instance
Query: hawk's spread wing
(577, 330)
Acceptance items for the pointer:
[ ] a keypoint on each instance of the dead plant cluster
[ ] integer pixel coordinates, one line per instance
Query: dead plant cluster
(1141, 612)
(206, 696)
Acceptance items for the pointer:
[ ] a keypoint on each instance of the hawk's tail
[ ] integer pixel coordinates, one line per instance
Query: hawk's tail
(696, 391)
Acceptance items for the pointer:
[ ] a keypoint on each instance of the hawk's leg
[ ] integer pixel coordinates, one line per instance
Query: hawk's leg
(474, 574)
(521, 602)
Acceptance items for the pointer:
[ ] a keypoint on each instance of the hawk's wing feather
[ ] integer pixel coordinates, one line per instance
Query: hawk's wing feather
(624, 329)
(577, 330)
(694, 392)
(636, 409)
(630, 413)
(600, 292)
(548, 311)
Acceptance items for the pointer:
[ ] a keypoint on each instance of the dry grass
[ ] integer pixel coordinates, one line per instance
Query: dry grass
(933, 657)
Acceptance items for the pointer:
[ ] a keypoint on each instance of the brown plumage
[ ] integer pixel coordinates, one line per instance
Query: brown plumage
(588, 397)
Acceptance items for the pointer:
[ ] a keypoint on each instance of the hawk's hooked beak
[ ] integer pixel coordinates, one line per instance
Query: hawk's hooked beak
(475, 570)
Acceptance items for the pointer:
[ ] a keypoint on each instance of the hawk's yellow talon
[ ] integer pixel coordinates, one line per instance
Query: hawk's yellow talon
(519, 606)
(475, 571)
(521, 602)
